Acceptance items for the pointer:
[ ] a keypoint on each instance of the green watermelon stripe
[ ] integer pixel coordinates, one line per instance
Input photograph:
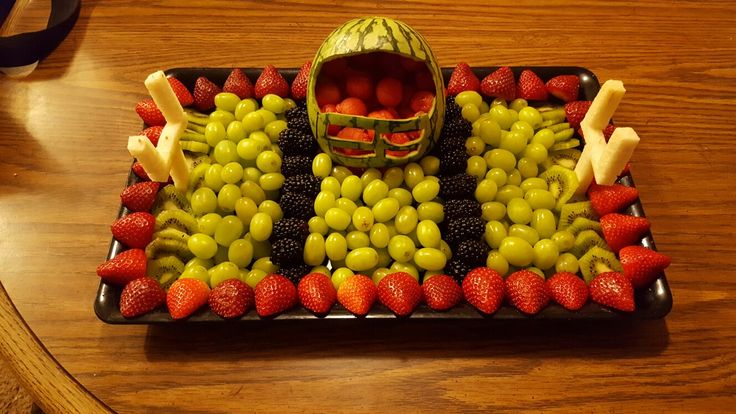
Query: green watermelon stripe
(345, 32)
(408, 38)
(420, 39)
(390, 35)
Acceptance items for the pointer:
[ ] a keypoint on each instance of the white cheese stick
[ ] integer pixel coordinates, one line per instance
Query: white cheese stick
(617, 153)
(168, 142)
(141, 148)
(180, 170)
(584, 171)
(160, 89)
(604, 104)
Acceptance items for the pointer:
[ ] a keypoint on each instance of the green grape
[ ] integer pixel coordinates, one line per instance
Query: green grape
(490, 132)
(401, 248)
(384, 259)
(196, 261)
(406, 220)
(379, 274)
(493, 210)
(391, 229)
(514, 142)
(336, 247)
(267, 116)
(430, 165)
(265, 264)
(227, 101)
(486, 191)
(402, 195)
(363, 218)
(251, 174)
(262, 138)
(500, 158)
(476, 167)
(318, 225)
(428, 234)
(564, 240)
(513, 115)
(240, 252)
(533, 183)
(271, 181)
(227, 197)
(249, 149)
(357, 239)
(232, 172)
(497, 262)
(253, 191)
(321, 269)
(498, 101)
(468, 97)
(274, 128)
(202, 245)
(332, 185)
(413, 236)
(426, 190)
(445, 249)
(222, 272)
(514, 177)
(214, 132)
(223, 117)
(507, 193)
(406, 268)
(370, 175)
(379, 235)
(340, 275)
(525, 232)
(196, 272)
(530, 115)
(428, 258)
(337, 219)
(254, 277)
(229, 229)
(271, 208)
(527, 168)
(470, 112)
(393, 177)
(519, 211)
(361, 259)
(431, 210)
(289, 104)
(203, 201)
(502, 116)
(536, 152)
(261, 226)
(322, 165)
(536, 270)
(498, 175)
(260, 248)
(340, 172)
(543, 221)
(324, 201)
(545, 254)
(544, 136)
(374, 192)
(517, 251)
(540, 199)
(268, 162)
(432, 178)
(518, 104)
(494, 233)
(213, 177)
(314, 249)
(221, 255)
(274, 103)
(253, 121)
(225, 152)
(351, 187)
(208, 223)
(385, 210)
(484, 107)
(413, 174)
(524, 128)
(245, 107)
(567, 262)
(235, 131)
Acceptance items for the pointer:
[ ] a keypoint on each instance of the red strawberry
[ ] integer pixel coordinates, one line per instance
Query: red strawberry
(271, 81)
(641, 265)
(530, 87)
(317, 293)
(608, 131)
(182, 93)
(185, 296)
(568, 290)
(149, 112)
(500, 84)
(462, 79)
(611, 198)
(126, 266)
(621, 230)
(204, 94)
(140, 171)
(357, 294)
(400, 292)
(238, 83)
(422, 102)
(565, 87)
(614, 290)
(141, 296)
(441, 292)
(575, 112)
(274, 294)
(135, 229)
(153, 133)
(140, 196)
(231, 299)
(299, 85)
(484, 288)
(526, 291)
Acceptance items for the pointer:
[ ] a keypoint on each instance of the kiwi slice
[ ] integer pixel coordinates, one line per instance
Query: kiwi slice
(567, 158)
(192, 135)
(179, 219)
(584, 223)
(197, 118)
(165, 269)
(567, 144)
(559, 127)
(169, 198)
(570, 211)
(597, 261)
(552, 113)
(171, 233)
(194, 146)
(561, 182)
(200, 159)
(169, 246)
(196, 176)
(585, 240)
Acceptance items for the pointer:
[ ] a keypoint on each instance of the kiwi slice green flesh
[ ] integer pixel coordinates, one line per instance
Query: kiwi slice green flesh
(597, 261)
(567, 158)
(570, 211)
(561, 182)
(585, 241)
(194, 146)
(567, 144)
(584, 223)
(168, 246)
(171, 233)
(169, 198)
(165, 269)
(179, 219)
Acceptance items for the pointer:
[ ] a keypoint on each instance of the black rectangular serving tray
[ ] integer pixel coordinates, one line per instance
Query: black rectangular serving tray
(652, 303)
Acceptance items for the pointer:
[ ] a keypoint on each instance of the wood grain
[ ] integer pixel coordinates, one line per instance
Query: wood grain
(64, 162)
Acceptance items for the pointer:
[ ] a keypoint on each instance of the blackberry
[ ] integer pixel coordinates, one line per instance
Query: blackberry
(472, 252)
(296, 272)
(297, 205)
(457, 186)
(286, 252)
(299, 111)
(295, 165)
(306, 184)
(452, 110)
(457, 127)
(457, 269)
(468, 228)
(454, 162)
(296, 142)
(450, 143)
(290, 227)
(459, 208)
(300, 123)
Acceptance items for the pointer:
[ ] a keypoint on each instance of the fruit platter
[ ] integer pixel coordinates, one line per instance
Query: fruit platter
(372, 183)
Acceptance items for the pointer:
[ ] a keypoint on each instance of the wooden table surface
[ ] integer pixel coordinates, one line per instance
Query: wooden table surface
(64, 162)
